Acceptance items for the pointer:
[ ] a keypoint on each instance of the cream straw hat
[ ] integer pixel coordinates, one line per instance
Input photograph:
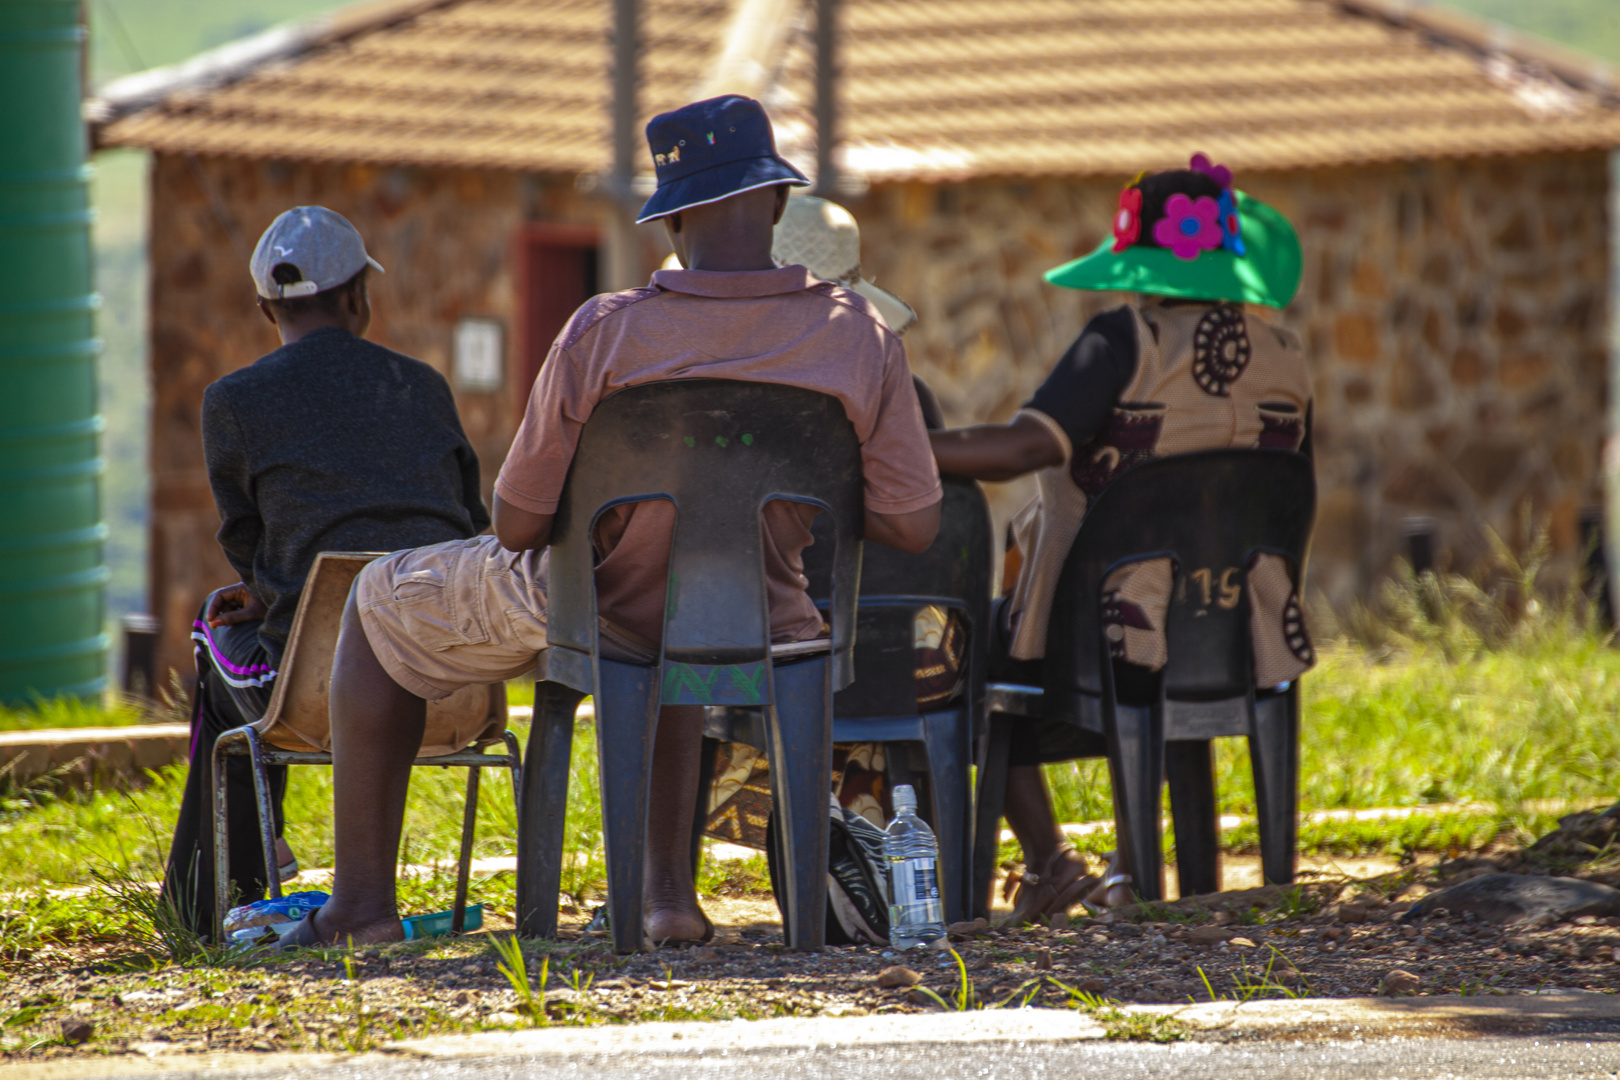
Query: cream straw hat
(824, 238)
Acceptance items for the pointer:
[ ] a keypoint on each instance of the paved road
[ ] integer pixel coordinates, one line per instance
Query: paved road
(1592, 1054)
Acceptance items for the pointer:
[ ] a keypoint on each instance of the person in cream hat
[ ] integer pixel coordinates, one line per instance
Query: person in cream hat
(824, 238)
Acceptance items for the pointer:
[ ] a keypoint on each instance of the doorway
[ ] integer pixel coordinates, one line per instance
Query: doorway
(557, 272)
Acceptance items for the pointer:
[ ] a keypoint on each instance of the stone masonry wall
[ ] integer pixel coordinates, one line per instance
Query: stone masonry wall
(1455, 316)
(446, 239)
(1454, 313)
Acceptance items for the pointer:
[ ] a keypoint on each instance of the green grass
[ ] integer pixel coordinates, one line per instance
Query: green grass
(73, 713)
(1452, 691)
(1455, 693)
(1504, 728)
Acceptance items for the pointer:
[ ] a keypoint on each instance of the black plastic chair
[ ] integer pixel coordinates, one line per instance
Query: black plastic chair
(1209, 512)
(881, 705)
(719, 450)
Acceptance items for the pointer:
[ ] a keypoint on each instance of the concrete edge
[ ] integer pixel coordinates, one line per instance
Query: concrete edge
(1304, 1019)
(88, 757)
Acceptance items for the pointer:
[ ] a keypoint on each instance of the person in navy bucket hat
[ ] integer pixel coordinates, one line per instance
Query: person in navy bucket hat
(711, 150)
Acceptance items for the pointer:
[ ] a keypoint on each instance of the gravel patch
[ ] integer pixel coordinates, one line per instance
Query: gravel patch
(1317, 940)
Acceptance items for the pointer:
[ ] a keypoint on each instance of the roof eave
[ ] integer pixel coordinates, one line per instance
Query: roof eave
(238, 59)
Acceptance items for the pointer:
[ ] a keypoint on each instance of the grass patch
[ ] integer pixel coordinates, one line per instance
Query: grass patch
(1455, 690)
(1509, 729)
(75, 713)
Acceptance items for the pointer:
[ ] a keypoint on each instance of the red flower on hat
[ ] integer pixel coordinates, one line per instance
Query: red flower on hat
(1189, 226)
(1128, 221)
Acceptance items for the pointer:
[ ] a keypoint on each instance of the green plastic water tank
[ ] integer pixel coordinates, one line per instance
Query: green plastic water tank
(52, 576)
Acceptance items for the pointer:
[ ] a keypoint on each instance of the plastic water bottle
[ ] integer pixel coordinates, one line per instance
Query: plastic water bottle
(916, 908)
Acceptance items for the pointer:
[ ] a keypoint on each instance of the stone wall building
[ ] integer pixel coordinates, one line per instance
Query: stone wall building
(1450, 184)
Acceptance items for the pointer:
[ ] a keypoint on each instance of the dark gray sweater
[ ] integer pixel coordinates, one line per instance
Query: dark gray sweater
(333, 443)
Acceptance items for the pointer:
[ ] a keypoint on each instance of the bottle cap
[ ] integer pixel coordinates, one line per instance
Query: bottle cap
(904, 798)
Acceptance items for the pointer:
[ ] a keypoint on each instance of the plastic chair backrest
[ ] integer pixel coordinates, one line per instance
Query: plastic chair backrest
(299, 717)
(954, 572)
(1209, 511)
(719, 449)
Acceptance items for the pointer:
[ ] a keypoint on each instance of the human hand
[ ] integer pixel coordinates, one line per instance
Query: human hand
(234, 604)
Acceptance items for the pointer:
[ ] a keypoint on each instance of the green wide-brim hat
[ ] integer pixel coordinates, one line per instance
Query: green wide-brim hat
(1267, 273)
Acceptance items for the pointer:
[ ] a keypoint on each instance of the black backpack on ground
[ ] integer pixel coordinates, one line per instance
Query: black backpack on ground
(857, 879)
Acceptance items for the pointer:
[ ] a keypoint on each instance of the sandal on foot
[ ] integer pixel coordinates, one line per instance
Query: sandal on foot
(287, 868)
(1097, 900)
(1061, 884)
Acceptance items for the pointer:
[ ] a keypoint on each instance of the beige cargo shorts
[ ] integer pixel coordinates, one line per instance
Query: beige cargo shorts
(453, 614)
(468, 611)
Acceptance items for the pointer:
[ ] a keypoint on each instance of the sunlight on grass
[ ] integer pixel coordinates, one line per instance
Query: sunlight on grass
(1499, 707)
(1452, 691)
(72, 713)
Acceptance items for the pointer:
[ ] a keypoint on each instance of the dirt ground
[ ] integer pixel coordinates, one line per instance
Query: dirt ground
(1323, 938)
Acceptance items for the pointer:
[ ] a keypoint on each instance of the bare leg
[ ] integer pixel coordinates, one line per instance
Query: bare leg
(376, 732)
(1029, 815)
(670, 909)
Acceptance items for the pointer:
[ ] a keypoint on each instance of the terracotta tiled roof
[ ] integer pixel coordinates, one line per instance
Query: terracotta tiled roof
(932, 88)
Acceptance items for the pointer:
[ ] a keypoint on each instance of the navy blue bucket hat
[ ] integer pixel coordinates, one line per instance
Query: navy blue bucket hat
(712, 150)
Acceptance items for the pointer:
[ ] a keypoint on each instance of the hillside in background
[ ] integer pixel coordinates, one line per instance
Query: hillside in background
(130, 35)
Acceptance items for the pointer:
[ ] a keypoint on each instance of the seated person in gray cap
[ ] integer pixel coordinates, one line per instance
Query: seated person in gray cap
(732, 314)
(329, 443)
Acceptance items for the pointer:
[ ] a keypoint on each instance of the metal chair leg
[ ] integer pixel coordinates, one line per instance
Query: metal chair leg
(700, 807)
(992, 797)
(469, 825)
(1190, 771)
(543, 808)
(800, 737)
(515, 771)
(267, 812)
(1274, 753)
(222, 829)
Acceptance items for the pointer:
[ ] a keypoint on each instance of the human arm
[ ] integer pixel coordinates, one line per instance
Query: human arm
(997, 451)
(234, 604)
(1068, 410)
(521, 530)
(471, 497)
(911, 532)
(241, 529)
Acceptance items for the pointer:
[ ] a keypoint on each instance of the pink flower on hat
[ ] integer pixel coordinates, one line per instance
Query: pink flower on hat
(1128, 219)
(1189, 226)
(1218, 173)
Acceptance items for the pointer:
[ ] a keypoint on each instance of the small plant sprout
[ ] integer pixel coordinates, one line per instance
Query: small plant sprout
(513, 965)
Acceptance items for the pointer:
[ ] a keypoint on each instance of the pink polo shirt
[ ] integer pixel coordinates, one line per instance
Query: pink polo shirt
(779, 326)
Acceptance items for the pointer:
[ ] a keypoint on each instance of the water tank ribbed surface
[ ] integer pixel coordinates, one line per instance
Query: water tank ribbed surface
(52, 577)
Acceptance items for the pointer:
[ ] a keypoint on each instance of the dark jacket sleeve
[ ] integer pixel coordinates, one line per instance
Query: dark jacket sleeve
(241, 529)
(466, 457)
(469, 490)
(1082, 389)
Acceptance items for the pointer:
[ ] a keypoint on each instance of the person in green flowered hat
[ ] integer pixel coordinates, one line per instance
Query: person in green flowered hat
(1186, 367)
(1189, 234)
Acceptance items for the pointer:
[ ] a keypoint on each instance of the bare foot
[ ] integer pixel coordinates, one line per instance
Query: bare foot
(360, 932)
(675, 923)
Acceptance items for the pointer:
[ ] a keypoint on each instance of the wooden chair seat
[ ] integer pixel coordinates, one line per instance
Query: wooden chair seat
(296, 728)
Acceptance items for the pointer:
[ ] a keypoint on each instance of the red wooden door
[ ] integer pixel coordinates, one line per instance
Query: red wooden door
(556, 274)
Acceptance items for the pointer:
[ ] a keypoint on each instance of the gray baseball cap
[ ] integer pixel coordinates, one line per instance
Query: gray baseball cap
(325, 248)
